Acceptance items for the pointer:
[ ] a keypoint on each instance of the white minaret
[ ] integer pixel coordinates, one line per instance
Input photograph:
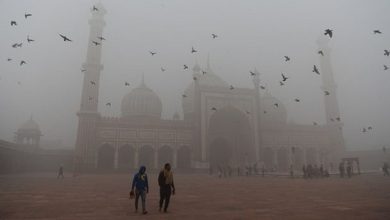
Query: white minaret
(333, 119)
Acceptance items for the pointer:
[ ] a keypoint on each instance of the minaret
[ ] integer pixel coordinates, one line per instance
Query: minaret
(332, 112)
(88, 114)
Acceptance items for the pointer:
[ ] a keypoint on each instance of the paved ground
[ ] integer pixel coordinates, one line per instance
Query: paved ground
(42, 196)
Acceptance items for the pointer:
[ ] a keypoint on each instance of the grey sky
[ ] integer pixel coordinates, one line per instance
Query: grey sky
(251, 34)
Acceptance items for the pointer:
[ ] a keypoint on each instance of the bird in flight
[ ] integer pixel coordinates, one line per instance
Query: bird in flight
(26, 15)
(297, 100)
(15, 45)
(83, 70)
(320, 52)
(377, 32)
(369, 128)
(284, 78)
(364, 130)
(194, 78)
(65, 38)
(262, 87)
(276, 105)
(387, 53)
(101, 38)
(193, 50)
(13, 23)
(265, 112)
(281, 83)
(152, 53)
(338, 119)
(29, 39)
(204, 72)
(92, 82)
(162, 69)
(22, 62)
(108, 104)
(252, 73)
(326, 92)
(231, 87)
(315, 123)
(185, 66)
(214, 109)
(386, 67)
(287, 58)
(96, 43)
(329, 32)
(127, 84)
(184, 96)
(9, 59)
(214, 36)
(315, 70)
(94, 8)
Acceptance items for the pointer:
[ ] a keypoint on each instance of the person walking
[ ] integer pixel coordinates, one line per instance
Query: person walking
(167, 187)
(141, 186)
(60, 172)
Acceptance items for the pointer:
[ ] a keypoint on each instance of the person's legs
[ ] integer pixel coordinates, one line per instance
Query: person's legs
(143, 198)
(167, 198)
(137, 194)
(162, 197)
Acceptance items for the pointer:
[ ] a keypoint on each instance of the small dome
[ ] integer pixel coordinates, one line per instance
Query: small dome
(272, 110)
(29, 125)
(141, 102)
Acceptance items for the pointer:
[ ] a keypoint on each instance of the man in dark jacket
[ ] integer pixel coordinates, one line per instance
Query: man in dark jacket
(165, 181)
(140, 182)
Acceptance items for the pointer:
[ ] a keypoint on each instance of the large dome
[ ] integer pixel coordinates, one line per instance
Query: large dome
(141, 102)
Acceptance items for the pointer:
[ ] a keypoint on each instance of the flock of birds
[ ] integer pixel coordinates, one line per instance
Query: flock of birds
(99, 40)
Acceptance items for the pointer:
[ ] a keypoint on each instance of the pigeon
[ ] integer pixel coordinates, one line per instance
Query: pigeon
(286, 58)
(152, 53)
(284, 78)
(320, 52)
(101, 38)
(184, 96)
(65, 38)
(297, 100)
(214, 36)
(194, 78)
(96, 43)
(9, 59)
(214, 109)
(193, 50)
(326, 92)
(315, 70)
(94, 8)
(276, 105)
(162, 69)
(29, 39)
(20, 45)
(22, 62)
(83, 70)
(127, 84)
(248, 112)
(13, 23)
(26, 15)
(108, 104)
(204, 72)
(369, 128)
(338, 119)
(387, 53)
(315, 123)
(15, 45)
(377, 32)
(185, 66)
(252, 73)
(281, 83)
(262, 87)
(329, 32)
(364, 130)
(231, 87)
(92, 82)
(265, 112)
(386, 67)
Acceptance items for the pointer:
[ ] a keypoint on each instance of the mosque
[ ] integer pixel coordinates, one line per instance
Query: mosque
(221, 126)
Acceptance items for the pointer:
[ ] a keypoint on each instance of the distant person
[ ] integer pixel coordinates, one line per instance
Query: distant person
(341, 169)
(304, 171)
(349, 170)
(238, 171)
(385, 169)
(262, 171)
(140, 183)
(291, 171)
(165, 181)
(321, 171)
(60, 172)
(309, 171)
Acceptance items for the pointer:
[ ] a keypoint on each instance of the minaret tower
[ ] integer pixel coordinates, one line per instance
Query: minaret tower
(329, 88)
(88, 114)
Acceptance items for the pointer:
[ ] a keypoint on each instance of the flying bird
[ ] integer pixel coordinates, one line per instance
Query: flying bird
(127, 84)
(286, 58)
(101, 38)
(65, 38)
(315, 123)
(94, 8)
(194, 78)
(369, 128)
(96, 43)
(13, 23)
(231, 87)
(315, 70)
(15, 45)
(152, 53)
(204, 72)
(281, 83)
(29, 39)
(9, 59)
(284, 78)
(265, 112)
(108, 104)
(22, 62)
(377, 32)
(83, 70)
(262, 87)
(329, 32)
(92, 82)
(27, 15)
(386, 67)
(184, 96)
(252, 73)
(214, 36)
(185, 66)
(326, 92)
(338, 119)
(214, 109)
(162, 69)
(193, 50)
(297, 100)
(276, 105)
(320, 52)
(387, 53)
(364, 130)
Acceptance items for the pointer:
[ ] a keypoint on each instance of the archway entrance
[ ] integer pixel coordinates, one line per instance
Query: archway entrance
(165, 155)
(106, 156)
(126, 157)
(230, 139)
(146, 157)
(184, 158)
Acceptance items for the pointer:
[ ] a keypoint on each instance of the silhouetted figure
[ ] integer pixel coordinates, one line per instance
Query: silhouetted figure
(349, 169)
(341, 169)
(304, 171)
(291, 171)
(60, 172)
(167, 187)
(309, 171)
(140, 183)
(220, 171)
(385, 169)
(255, 170)
(321, 171)
(262, 171)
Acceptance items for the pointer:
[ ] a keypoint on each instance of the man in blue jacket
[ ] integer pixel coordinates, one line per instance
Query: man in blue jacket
(140, 182)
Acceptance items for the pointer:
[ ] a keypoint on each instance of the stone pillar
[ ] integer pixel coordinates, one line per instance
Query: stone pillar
(174, 158)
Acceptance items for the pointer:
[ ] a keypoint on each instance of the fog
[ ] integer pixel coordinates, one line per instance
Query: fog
(251, 34)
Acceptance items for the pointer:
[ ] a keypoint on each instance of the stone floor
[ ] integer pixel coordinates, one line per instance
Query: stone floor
(42, 196)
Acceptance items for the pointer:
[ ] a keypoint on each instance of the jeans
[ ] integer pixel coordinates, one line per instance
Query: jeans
(165, 194)
(139, 193)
